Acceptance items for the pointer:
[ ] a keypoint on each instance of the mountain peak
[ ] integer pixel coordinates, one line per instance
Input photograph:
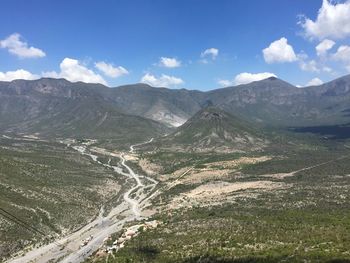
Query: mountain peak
(211, 113)
(212, 129)
(274, 81)
(272, 78)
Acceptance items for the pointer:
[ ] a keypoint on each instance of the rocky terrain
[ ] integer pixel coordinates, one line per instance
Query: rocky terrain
(281, 204)
(225, 173)
(38, 106)
(212, 129)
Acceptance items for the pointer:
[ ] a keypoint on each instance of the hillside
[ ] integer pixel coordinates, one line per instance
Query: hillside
(271, 102)
(212, 129)
(223, 158)
(58, 108)
(172, 107)
(52, 188)
(275, 102)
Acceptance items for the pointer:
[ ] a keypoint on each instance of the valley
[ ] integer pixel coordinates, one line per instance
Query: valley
(177, 131)
(248, 209)
(129, 208)
(221, 187)
(51, 188)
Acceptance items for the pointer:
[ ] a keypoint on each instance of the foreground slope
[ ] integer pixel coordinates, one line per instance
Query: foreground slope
(51, 188)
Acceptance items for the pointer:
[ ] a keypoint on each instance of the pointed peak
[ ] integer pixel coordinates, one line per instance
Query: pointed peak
(210, 113)
(272, 78)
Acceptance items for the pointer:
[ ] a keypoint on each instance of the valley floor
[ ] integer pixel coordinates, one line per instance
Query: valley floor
(276, 207)
(80, 244)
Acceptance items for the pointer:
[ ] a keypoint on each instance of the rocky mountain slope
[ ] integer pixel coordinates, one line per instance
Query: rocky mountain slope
(171, 107)
(212, 129)
(56, 107)
(271, 102)
(275, 102)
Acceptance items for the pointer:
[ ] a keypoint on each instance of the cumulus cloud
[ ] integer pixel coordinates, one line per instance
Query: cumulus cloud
(310, 66)
(15, 45)
(162, 81)
(343, 55)
(110, 71)
(324, 46)
(17, 74)
(245, 78)
(314, 82)
(333, 21)
(169, 62)
(73, 70)
(279, 51)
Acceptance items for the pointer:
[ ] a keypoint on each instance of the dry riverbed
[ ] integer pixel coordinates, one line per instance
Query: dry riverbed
(77, 246)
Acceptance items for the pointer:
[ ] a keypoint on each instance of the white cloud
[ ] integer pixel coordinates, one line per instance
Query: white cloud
(16, 46)
(110, 71)
(169, 62)
(333, 21)
(324, 46)
(211, 52)
(314, 82)
(313, 65)
(309, 66)
(17, 74)
(162, 81)
(343, 55)
(73, 70)
(245, 78)
(279, 51)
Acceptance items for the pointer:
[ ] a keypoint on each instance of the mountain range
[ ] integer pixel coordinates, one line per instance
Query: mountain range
(59, 108)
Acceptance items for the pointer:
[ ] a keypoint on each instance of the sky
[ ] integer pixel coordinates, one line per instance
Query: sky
(192, 44)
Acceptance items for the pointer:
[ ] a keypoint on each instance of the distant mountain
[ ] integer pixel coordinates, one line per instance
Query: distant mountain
(278, 103)
(56, 107)
(270, 102)
(172, 107)
(212, 129)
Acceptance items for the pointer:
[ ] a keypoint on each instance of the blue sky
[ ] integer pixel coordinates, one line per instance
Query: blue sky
(193, 44)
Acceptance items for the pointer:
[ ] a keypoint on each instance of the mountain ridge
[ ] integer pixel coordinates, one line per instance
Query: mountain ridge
(270, 102)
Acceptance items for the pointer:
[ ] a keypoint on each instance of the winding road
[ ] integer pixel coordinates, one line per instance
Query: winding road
(135, 199)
